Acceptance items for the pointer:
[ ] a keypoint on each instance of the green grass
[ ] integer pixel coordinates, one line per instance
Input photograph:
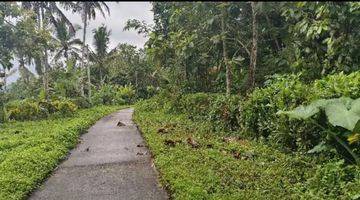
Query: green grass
(237, 169)
(30, 150)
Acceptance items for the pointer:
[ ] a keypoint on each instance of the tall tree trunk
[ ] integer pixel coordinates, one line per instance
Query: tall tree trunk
(46, 73)
(253, 53)
(136, 79)
(83, 40)
(22, 71)
(89, 82)
(44, 58)
(101, 73)
(66, 55)
(272, 34)
(225, 53)
(83, 57)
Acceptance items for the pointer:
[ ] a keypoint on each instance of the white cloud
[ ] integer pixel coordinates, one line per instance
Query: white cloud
(119, 14)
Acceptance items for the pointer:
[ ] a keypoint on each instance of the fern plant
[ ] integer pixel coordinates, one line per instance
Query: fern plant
(340, 112)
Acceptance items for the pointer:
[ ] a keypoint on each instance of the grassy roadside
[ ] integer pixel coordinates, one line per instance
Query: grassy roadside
(218, 166)
(30, 150)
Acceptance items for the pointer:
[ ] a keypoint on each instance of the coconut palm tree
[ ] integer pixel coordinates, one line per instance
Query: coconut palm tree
(88, 11)
(47, 12)
(68, 44)
(101, 43)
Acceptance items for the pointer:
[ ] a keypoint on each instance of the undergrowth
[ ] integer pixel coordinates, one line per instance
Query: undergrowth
(197, 162)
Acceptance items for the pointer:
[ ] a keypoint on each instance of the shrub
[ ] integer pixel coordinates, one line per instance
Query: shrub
(221, 110)
(64, 107)
(30, 109)
(125, 94)
(46, 108)
(341, 114)
(114, 95)
(2, 114)
(24, 110)
(338, 85)
(156, 102)
(151, 91)
(81, 102)
(105, 95)
(195, 105)
(224, 112)
(146, 92)
(255, 117)
(258, 113)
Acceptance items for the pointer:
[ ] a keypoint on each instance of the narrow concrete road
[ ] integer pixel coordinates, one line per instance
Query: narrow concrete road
(111, 162)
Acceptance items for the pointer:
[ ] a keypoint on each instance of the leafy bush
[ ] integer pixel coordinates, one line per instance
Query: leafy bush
(105, 95)
(64, 107)
(338, 85)
(3, 99)
(81, 102)
(125, 94)
(146, 92)
(30, 109)
(196, 105)
(2, 114)
(342, 113)
(223, 167)
(114, 95)
(258, 113)
(255, 117)
(24, 110)
(151, 91)
(219, 109)
(224, 112)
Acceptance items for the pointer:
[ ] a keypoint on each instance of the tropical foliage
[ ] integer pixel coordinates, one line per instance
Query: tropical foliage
(267, 93)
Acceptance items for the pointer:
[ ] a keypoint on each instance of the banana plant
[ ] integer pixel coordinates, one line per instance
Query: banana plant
(342, 112)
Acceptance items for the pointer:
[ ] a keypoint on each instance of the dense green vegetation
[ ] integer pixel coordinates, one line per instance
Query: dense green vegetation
(196, 51)
(197, 162)
(245, 99)
(31, 150)
(68, 71)
(257, 115)
(309, 159)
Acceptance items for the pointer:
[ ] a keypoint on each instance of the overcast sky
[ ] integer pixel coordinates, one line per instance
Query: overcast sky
(119, 14)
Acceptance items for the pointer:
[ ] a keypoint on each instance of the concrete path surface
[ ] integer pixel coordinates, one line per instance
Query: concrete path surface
(111, 162)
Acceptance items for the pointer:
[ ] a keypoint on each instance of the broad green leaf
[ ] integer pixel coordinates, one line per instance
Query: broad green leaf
(321, 103)
(355, 106)
(342, 100)
(301, 112)
(346, 101)
(339, 115)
